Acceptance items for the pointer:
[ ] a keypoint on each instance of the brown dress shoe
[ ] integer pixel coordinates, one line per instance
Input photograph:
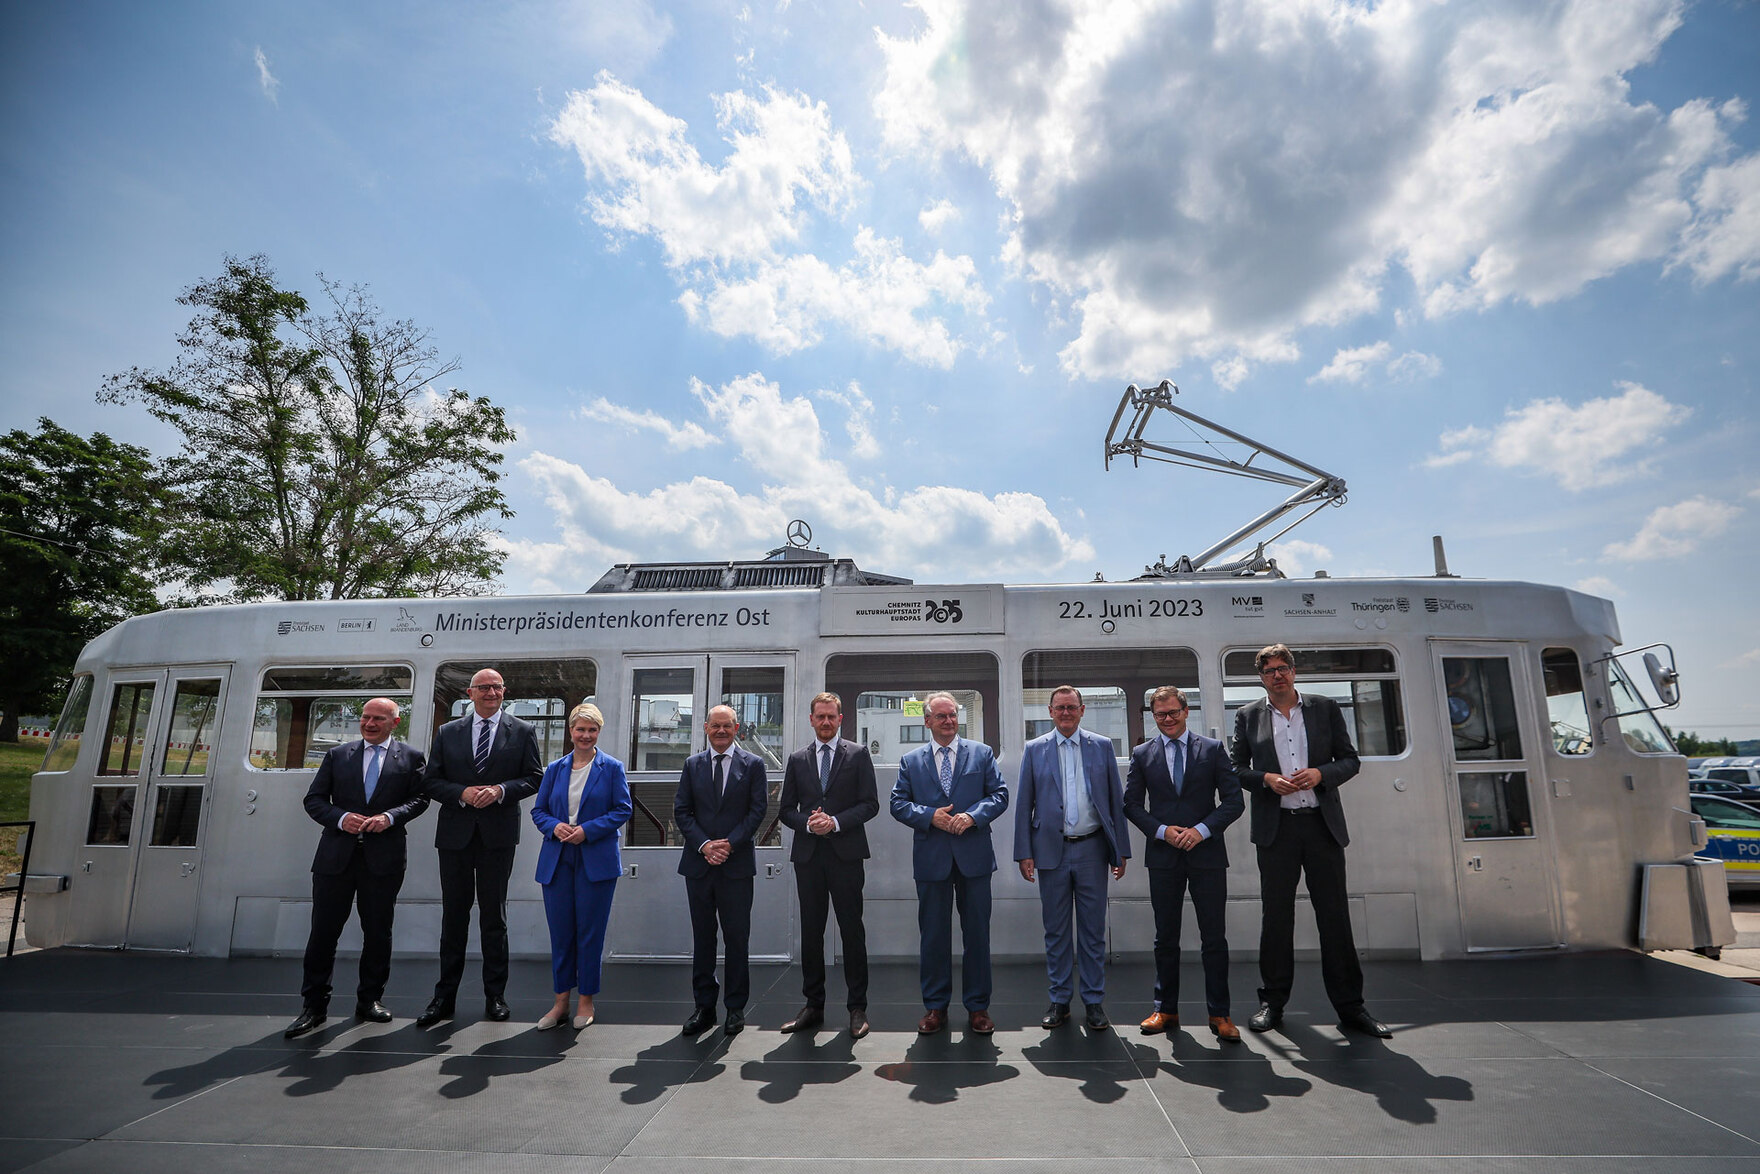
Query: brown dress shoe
(980, 1024)
(1159, 1022)
(932, 1021)
(1224, 1029)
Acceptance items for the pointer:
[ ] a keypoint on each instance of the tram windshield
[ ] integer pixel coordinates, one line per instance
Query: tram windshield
(64, 746)
(1642, 732)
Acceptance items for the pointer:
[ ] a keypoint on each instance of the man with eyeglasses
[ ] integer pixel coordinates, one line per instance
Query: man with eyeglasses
(1293, 750)
(1183, 793)
(1069, 833)
(481, 766)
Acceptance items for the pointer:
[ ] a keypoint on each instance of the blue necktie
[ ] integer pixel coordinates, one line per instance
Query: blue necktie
(947, 771)
(824, 766)
(482, 756)
(372, 775)
(1178, 770)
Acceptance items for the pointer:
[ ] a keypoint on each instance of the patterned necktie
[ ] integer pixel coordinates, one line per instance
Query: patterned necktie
(824, 766)
(721, 774)
(372, 776)
(1176, 753)
(482, 755)
(947, 771)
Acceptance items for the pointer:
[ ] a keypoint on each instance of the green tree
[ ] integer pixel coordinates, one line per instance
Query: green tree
(77, 519)
(319, 459)
(1692, 745)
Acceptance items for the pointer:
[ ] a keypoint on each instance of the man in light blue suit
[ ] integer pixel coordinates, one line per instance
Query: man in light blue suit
(951, 791)
(1069, 831)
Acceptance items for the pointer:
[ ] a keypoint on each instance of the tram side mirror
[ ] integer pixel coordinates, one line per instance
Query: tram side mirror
(1665, 679)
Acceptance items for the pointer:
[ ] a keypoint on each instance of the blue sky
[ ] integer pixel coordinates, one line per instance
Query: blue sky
(889, 267)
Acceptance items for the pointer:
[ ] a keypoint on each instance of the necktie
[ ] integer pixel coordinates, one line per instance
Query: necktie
(947, 771)
(372, 775)
(482, 755)
(1176, 752)
(721, 774)
(1072, 778)
(824, 765)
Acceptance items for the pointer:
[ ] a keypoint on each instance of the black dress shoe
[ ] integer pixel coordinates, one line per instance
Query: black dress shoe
(436, 1010)
(701, 1020)
(1096, 1018)
(1361, 1020)
(495, 1009)
(858, 1023)
(736, 1023)
(310, 1019)
(1055, 1016)
(809, 1018)
(372, 1012)
(1266, 1017)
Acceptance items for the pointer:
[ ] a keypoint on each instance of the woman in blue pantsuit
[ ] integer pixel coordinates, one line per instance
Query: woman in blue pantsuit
(583, 802)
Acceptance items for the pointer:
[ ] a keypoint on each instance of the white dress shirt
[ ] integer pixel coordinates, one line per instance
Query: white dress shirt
(1290, 736)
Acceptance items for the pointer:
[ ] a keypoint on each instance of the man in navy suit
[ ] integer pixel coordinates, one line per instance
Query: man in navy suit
(362, 796)
(1293, 750)
(1068, 834)
(1183, 793)
(719, 809)
(481, 766)
(951, 791)
(828, 795)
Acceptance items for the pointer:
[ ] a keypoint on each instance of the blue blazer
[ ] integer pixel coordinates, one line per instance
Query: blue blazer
(605, 808)
(1038, 818)
(1210, 796)
(978, 791)
(736, 816)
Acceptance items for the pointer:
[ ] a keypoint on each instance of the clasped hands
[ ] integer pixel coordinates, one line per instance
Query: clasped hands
(569, 833)
(717, 851)
(819, 823)
(482, 796)
(355, 823)
(1185, 838)
(945, 819)
(1305, 779)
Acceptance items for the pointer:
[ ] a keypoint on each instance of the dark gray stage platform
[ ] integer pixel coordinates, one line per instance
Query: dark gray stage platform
(1603, 1063)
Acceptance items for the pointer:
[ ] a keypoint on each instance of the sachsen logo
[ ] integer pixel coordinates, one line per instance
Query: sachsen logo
(288, 627)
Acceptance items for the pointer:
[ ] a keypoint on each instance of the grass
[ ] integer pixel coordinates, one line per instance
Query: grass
(18, 761)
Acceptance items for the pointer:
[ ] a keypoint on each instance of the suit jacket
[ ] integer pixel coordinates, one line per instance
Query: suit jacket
(1329, 749)
(734, 815)
(1210, 795)
(340, 787)
(514, 763)
(1038, 817)
(978, 791)
(605, 808)
(851, 797)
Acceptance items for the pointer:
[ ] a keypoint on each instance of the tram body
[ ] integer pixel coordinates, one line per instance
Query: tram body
(1504, 804)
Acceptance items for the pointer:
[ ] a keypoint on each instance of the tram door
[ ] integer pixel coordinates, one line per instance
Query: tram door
(1500, 817)
(668, 702)
(103, 881)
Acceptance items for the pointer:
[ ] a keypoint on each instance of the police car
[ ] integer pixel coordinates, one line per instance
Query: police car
(1733, 832)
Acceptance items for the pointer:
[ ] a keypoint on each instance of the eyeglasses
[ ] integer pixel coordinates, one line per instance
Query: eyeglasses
(1162, 715)
(1277, 670)
(943, 717)
(490, 688)
(1066, 709)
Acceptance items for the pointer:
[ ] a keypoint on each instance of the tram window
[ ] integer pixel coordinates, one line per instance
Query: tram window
(112, 818)
(1109, 679)
(130, 706)
(540, 692)
(64, 746)
(1566, 707)
(663, 701)
(755, 695)
(1494, 805)
(1371, 704)
(193, 706)
(1642, 732)
(1481, 708)
(886, 686)
(293, 733)
(375, 679)
(177, 816)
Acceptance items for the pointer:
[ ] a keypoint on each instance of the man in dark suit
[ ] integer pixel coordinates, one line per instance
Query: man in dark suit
(951, 791)
(481, 766)
(362, 796)
(1183, 793)
(828, 794)
(719, 809)
(1068, 834)
(1292, 752)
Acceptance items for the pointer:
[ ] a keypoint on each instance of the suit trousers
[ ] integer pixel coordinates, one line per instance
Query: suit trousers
(577, 910)
(825, 882)
(476, 873)
(1304, 847)
(936, 901)
(333, 894)
(1078, 886)
(1167, 895)
(727, 900)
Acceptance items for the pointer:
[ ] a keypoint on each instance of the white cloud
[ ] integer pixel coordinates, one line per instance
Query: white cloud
(1599, 585)
(1675, 530)
(1229, 373)
(1204, 180)
(1752, 656)
(678, 437)
(1413, 366)
(937, 216)
(1583, 447)
(931, 531)
(860, 422)
(270, 83)
(1296, 557)
(1354, 364)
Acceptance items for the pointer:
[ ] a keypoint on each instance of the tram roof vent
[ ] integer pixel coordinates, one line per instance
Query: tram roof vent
(748, 575)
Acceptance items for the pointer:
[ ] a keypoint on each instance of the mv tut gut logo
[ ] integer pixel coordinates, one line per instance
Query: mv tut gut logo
(946, 611)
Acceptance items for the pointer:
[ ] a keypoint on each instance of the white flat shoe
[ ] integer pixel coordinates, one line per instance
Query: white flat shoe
(582, 1021)
(551, 1020)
